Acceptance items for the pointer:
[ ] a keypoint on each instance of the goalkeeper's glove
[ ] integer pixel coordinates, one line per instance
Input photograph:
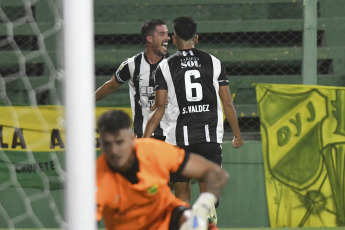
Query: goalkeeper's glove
(197, 220)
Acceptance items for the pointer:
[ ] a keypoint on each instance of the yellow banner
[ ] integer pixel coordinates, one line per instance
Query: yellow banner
(303, 140)
(42, 128)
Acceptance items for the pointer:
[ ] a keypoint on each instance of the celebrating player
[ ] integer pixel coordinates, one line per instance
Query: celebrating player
(132, 177)
(138, 71)
(196, 87)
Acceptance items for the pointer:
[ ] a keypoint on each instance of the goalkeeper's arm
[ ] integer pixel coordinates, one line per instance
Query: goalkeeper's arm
(214, 179)
(212, 175)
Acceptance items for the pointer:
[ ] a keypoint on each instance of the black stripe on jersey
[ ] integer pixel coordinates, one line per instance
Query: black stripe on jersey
(158, 131)
(122, 73)
(138, 116)
(160, 83)
(213, 126)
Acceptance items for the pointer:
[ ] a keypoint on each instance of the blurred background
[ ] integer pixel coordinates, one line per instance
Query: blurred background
(258, 41)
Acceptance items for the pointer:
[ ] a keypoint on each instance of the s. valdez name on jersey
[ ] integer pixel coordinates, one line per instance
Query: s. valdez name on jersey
(196, 109)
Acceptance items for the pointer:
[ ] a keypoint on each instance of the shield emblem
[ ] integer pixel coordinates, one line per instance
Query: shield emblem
(292, 134)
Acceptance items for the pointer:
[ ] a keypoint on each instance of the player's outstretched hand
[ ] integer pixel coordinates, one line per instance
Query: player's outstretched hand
(237, 142)
(194, 221)
(197, 216)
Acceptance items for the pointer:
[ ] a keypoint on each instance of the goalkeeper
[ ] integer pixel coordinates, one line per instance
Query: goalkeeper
(133, 175)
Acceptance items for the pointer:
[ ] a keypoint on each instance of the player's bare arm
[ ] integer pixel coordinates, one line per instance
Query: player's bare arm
(157, 113)
(231, 115)
(154, 104)
(212, 175)
(106, 89)
(214, 178)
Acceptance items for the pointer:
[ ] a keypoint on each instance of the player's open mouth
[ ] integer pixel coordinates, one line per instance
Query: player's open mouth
(165, 45)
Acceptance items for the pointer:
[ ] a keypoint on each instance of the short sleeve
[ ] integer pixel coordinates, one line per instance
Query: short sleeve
(160, 82)
(223, 80)
(183, 164)
(122, 74)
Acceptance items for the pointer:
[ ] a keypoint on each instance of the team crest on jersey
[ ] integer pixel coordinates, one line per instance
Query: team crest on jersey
(153, 189)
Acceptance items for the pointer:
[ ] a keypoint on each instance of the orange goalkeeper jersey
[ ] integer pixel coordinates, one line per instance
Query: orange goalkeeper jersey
(147, 204)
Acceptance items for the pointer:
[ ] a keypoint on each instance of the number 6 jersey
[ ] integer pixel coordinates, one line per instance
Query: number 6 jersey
(192, 79)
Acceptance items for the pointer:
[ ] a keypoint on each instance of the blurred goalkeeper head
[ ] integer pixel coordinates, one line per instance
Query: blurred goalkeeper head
(155, 35)
(185, 32)
(117, 140)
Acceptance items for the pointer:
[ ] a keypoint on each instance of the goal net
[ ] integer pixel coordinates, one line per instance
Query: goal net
(47, 139)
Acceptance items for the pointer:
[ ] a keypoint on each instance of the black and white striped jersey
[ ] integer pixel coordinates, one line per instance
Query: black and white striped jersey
(139, 73)
(192, 79)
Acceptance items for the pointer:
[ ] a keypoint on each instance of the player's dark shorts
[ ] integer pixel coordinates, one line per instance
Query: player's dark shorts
(211, 151)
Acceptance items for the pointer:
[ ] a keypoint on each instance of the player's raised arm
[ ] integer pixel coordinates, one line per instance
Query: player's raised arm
(157, 113)
(231, 115)
(106, 89)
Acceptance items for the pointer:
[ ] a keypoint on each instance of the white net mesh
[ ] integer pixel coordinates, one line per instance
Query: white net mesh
(31, 138)
(258, 42)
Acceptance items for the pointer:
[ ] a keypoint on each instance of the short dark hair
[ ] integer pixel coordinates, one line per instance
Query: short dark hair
(113, 121)
(149, 26)
(185, 27)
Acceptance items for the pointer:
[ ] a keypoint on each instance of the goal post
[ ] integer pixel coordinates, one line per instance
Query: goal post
(80, 157)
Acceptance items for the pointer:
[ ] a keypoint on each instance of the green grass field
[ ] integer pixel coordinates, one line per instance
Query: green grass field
(304, 228)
